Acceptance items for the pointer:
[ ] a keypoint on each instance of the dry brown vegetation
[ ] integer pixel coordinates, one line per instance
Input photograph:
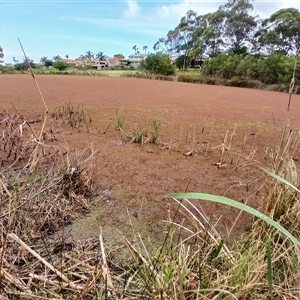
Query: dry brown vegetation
(54, 162)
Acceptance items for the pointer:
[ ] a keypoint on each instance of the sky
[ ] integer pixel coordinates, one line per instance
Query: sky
(72, 27)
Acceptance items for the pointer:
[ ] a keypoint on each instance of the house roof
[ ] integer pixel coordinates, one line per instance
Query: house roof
(113, 59)
(204, 57)
(68, 60)
(137, 55)
(75, 61)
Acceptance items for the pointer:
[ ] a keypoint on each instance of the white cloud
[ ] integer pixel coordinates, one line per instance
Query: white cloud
(132, 10)
(288, 4)
(266, 8)
(178, 10)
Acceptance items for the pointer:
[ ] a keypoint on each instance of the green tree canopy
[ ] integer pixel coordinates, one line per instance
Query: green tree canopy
(179, 62)
(119, 56)
(231, 26)
(158, 63)
(239, 23)
(212, 31)
(48, 63)
(60, 65)
(281, 31)
(24, 65)
(182, 39)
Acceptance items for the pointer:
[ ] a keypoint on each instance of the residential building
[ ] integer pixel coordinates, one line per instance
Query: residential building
(134, 60)
(77, 62)
(198, 61)
(108, 62)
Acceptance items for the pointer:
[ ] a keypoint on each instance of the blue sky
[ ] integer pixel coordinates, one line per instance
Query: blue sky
(48, 28)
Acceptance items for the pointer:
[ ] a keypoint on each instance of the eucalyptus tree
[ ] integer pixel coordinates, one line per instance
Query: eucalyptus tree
(186, 34)
(212, 30)
(198, 50)
(239, 23)
(181, 40)
(280, 32)
(166, 44)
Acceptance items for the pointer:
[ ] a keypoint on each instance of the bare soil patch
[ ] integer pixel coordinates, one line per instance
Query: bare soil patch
(211, 139)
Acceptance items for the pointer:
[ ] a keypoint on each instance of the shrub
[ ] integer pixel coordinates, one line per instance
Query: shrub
(7, 70)
(229, 68)
(158, 64)
(48, 63)
(60, 65)
(248, 67)
(24, 66)
(270, 68)
(214, 66)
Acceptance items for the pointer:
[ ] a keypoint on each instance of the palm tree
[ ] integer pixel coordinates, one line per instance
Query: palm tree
(43, 59)
(88, 58)
(100, 55)
(56, 57)
(145, 48)
(89, 55)
(135, 48)
(67, 56)
(83, 59)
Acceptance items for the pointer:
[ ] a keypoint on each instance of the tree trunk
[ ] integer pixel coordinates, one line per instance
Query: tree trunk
(185, 61)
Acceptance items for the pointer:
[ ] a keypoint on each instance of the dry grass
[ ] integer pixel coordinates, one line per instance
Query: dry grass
(38, 259)
(44, 188)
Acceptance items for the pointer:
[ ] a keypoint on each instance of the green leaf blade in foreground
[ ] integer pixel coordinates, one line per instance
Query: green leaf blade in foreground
(238, 205)
(272, 174)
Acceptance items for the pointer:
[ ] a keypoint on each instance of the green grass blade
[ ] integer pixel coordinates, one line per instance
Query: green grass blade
(272, 174)
(270, 272)
(238, 205)
(218, 250)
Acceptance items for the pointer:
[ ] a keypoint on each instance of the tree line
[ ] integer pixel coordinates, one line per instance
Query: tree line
(233, 28)
(237, 41)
